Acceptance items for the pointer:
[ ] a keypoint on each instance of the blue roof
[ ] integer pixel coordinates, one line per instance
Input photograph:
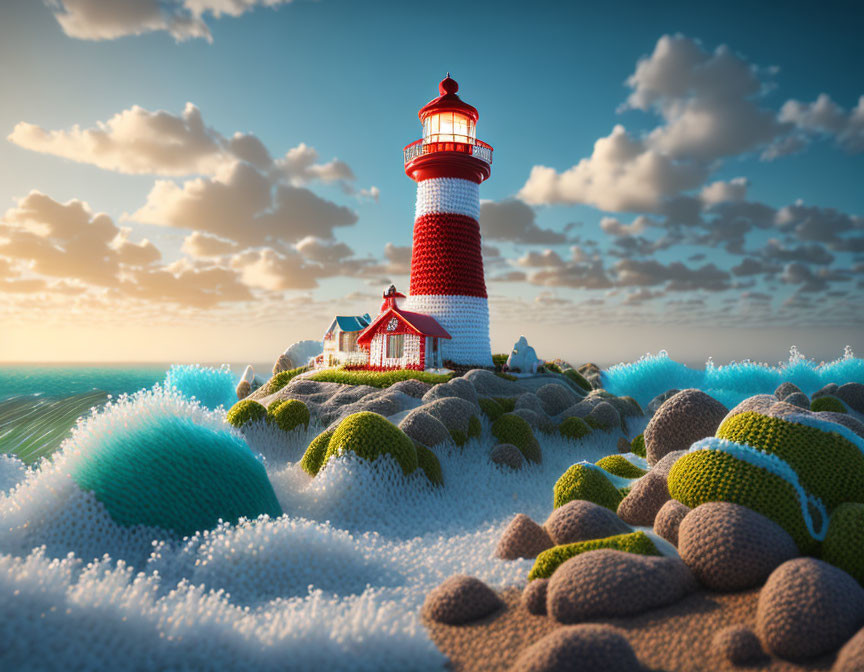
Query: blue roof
(353, 322)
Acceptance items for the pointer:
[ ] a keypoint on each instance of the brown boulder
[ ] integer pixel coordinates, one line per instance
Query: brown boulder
(523, 538)
(738, 645)
(580, 648)
(508, 455)
(683, 419)
(807, 608)
(644, 500)
(607, 583)
(851, 657)
(460, 599)
(729, 547)
(581, 520)
(668, 520)
(534, 596)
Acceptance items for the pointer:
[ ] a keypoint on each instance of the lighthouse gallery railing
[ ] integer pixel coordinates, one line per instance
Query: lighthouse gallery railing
(480, 149)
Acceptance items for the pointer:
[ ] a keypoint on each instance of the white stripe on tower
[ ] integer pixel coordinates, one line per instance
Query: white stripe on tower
(447, 267)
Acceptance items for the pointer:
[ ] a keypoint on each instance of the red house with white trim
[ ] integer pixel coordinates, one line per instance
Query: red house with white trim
(402, 339)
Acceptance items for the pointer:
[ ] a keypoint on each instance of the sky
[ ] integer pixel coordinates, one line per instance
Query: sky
(212, 180)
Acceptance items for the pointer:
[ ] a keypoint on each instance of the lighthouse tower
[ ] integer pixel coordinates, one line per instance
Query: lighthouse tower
(448, 164)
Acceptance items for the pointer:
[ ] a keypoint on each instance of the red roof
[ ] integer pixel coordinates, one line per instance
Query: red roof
(425, 325)
(448, 101)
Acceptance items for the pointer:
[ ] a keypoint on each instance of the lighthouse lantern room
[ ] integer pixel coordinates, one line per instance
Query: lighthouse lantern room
(447, 283)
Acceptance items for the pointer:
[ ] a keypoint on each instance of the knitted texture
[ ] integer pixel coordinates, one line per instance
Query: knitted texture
(586, 481)
(447, 279)
(460, 599)
(550, 560)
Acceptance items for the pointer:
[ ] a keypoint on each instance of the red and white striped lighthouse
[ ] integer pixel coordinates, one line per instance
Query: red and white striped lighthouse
(448, 164)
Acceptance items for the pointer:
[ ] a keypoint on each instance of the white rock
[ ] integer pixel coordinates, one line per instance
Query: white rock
(302, 351)
(248, 375)
(523, 357)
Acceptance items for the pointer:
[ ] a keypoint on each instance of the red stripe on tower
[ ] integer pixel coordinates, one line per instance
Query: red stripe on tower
(447, 280)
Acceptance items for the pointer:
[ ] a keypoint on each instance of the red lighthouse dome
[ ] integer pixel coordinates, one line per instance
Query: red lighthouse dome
(448, 164)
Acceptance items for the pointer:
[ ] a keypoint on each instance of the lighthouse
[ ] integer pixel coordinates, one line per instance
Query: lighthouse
(447, 283)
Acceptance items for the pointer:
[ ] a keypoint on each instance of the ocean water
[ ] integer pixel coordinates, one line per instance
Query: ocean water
(335, 582)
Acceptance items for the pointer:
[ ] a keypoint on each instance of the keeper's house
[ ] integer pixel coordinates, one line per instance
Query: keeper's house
(340, 341)
(401, 339)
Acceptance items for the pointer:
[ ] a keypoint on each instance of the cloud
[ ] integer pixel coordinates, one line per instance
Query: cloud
(240, 204)
(734, 190)
(811, 223)
(797, 273)
(275, 270)
(676, 275)
(544, 259)
(825, 117)
(622, 174)
(615, 227)
(514, 221)
(811, 253)
(198, 244)
(182, 19)
(708, 101)
(187, 285)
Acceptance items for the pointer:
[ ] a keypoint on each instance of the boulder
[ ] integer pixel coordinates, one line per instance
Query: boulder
(530, 401)
(605, 416)
(683, 419)
(828, 390)
(412, 387)
(668, 520)
(853, 395)
(807, 608)
(534, 597)
(454, 412)
(556, 398)
(798, 399)
(645, 499)
(737, 644)
(282, 363)
(425, 428)
(508, 455)
(785, 389)
(457, 387)
(580, 648)
(460, 599)
(729, 547)
(523, 358)
(851, 657)
(244, 389)
(660, 399)
(844, 419)
(580, 520)
(664, 466)
(607, 584)
(522, 538)
(490, 385)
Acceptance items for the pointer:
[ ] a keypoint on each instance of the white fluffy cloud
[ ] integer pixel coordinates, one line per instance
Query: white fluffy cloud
(111, 19)
(622, 174)
(824, 116)
(723, 192)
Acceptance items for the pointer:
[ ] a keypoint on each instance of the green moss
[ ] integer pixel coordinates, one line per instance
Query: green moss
(620, 466)
(828, 403)
(499, 360)
(713, 475)
(578, 378)
(370, 435)
(507, 403)
(273, 405)
(553, 367)
(282, 378)
(593, 423)
(459, 437)
(245, 411)
(491, 408)
(585, 481)
(550, 559)
(511, 428)
(290, 415)
(379, 379)
(313, 458)
(574, 428)
(429, 463)
(828, 465)
(637, 446)
(844, 543)
(625, 491)
(474, 427)
(505, 376)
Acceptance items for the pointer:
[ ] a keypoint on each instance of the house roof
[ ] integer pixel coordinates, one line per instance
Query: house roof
(350, 322)
(425, 325)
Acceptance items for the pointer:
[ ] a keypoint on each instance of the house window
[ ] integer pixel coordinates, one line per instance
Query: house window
(347, 341)
(395, 346)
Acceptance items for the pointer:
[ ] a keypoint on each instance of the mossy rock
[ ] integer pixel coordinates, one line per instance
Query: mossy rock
(844, 542)
(474, 427)
(273, 405)
(459, 437)
(245, 411)
(637, 445)
(574, 428)
(491, 408)
(507, 403)
(429, 463)
(620, 466)
(712, 475)
(553, 367)
(282, 378)
(313, 458)
(637, 409)
(289, 415)
(578, 378)
(370, 435)
(828, 403)
(551, 559)
(510, 428)
(827, 464)
(588, 482)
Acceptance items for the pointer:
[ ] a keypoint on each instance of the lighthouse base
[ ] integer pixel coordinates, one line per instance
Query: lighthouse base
(466, 319)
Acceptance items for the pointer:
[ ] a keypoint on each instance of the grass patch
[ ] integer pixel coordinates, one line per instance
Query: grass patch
(378, 378)
(282, 378)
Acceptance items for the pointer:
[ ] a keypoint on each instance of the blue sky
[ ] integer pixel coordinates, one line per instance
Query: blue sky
(549, 79)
